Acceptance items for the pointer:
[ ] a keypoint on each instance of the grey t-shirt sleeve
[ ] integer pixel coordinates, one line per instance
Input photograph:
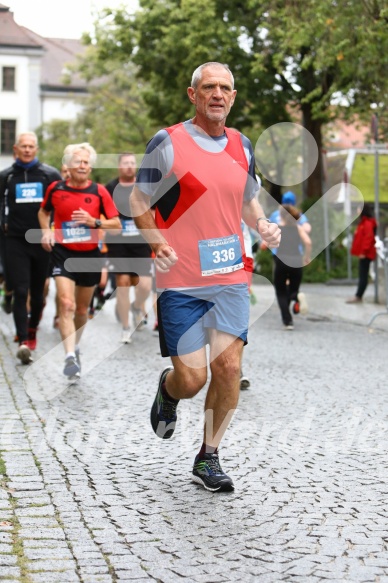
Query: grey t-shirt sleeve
(252, 186)
(156, 164)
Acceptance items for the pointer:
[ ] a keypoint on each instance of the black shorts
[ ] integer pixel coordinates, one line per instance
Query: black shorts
(82, 267)
(130, 259)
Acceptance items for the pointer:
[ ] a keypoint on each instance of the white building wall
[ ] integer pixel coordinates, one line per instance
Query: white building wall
(59, 107)
(13, 104)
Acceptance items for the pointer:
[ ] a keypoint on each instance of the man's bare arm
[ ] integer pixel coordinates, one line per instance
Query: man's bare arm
(253, 215)
(165, 256)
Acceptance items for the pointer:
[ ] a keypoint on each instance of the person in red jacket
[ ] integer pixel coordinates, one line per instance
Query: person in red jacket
(363, 247)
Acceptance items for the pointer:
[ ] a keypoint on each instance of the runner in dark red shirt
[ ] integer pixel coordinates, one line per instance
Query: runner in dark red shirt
(77, 205)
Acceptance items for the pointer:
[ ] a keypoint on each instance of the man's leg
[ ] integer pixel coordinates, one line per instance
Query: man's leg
(220, 405)
(18, 264)
(143, 284)
(123, 282)
(66, 298)
(83, 296)
(176, 382)
(224, 389)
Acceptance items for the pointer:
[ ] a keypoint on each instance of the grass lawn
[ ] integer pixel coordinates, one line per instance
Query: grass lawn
(363, 176)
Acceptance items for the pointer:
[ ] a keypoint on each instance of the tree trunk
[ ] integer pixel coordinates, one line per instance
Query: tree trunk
(276, 192)
(312, 187)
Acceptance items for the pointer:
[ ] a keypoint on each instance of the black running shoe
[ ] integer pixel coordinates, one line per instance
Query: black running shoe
(71, 366)
(163, 412)
(207, 471)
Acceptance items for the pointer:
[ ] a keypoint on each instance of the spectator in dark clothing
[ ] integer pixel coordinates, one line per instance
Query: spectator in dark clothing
(292, 254)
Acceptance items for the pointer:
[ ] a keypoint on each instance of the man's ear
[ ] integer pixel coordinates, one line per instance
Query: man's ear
(191, 94)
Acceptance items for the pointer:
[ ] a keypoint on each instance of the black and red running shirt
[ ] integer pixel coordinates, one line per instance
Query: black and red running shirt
(63, 200)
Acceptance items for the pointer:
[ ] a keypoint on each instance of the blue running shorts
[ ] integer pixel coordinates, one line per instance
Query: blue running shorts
(185, 316)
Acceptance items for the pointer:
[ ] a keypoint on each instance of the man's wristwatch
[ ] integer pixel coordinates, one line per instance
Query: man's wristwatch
(261, 219)
(97, 224)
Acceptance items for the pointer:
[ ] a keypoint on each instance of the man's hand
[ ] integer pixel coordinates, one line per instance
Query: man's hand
(82, 217)
(48, 240)
(270, 233)
(165, 257)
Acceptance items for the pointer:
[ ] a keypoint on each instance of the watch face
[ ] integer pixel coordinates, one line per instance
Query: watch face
(98, 223)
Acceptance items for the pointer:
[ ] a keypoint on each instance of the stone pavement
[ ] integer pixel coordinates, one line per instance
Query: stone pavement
(89, 494)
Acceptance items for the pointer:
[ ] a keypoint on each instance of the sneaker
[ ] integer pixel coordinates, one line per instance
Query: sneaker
(31, 340)
(244, 382)
(288, 327)
(303, 306)
(91, 313)
(126, 336)
(71, 366)
(24, 353)
(163, 412)
(354, 300)
(100, 299)
(296, 307)
(207, 471)
(137, 316)
(77, 357)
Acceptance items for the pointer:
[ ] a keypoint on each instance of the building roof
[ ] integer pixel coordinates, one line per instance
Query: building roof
(58, 53)
(13, 35)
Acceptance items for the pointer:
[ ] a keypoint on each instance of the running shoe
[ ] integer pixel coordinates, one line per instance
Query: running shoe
(126, 336)
(288, 327)
(296, 307)
(244, 382)
(303, 306)
(72, 367)
(31, 340)
(137, 316)
(99, 294)
(24, 353)
(207, 471)
(163, 412)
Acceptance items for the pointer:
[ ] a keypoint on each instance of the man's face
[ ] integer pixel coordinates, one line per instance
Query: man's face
(25, 149)
(79, 166)
(214, 95)
(127, 168)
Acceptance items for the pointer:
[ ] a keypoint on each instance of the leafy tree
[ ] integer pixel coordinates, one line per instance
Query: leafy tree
(114, 117)
(292, 60)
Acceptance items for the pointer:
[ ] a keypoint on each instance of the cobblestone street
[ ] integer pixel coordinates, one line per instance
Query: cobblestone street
(89, 494)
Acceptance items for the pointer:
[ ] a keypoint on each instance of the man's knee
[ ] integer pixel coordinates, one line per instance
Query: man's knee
(226, 368)
(190, 381)
(67, 305)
